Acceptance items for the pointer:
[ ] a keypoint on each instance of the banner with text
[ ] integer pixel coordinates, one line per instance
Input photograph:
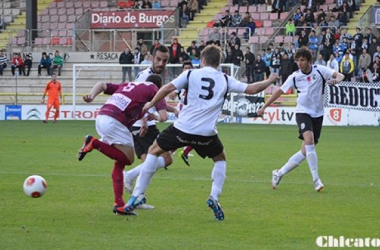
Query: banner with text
(243, 105)
(353, 95)
(131, 19)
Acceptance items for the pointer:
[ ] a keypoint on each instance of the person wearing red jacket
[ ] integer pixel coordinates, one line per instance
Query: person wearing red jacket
(17, 63)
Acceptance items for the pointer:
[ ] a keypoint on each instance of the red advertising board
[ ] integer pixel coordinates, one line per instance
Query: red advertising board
(130, 19)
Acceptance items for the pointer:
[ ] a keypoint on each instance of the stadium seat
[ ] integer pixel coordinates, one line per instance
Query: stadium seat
(21, 41)
(284, 15)
(261, 8)
(252, 9)
(69, 5)
(229, 3)
(269, 31)
(61, 11)
(241, 31)
(53, 26)
(164, 3)
(54, 19)
(55, 41)
(267, 23)
(86, 5)
(78, 4)
(38, 41)
(273, 16)
(53, 5)
(103, 4)
(173, 3)
(95, 4)
(60, 5)
(254, 39)
(54, 33)
(255, 16)
(62, 33)
(288, 39)
(63, 41)
(71, 18)
(53, 11)
(69, 41)
(259, 23)
(45, 26)
(45, 18)
(278, 39)
(44, 12)
(264, 16)
(62, 25)
(63, 19)
(70, 11)
(264, 39)
(233, 8)
(79, 11)
(14, 41)
(45, 40)
(242, 9)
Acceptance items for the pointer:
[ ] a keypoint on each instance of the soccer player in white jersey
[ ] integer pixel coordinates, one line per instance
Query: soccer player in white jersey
(309, 81)
(142, 143)
(184, 154)
(196, 124)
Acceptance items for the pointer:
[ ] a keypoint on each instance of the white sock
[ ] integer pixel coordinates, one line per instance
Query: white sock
(292, 163)
(146, 173)
(160, 163)
(218, 176)
(312, 160)
(134, 172)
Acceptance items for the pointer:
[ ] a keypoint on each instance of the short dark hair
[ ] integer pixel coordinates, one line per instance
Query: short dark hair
(303, 52)
(160, 48)
(187, 63)
(156, 79)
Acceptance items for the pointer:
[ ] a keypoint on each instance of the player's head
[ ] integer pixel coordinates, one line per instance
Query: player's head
(303, 58)
(187, 65)
(160, 59)
(156, 79)
(53, 77)
(211, 56)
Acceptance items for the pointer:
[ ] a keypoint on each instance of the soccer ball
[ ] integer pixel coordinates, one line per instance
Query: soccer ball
(34, 186)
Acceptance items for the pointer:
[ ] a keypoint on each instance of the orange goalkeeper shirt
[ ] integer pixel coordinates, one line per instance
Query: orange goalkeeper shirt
(53, 90)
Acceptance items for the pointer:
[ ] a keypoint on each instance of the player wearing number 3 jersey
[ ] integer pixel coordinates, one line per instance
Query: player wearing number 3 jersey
(116, 116)
(196, 124)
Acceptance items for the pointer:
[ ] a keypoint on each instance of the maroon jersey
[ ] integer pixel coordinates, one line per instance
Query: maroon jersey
(128, 100)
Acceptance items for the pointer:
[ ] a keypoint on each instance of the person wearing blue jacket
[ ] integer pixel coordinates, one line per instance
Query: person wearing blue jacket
(45, 62)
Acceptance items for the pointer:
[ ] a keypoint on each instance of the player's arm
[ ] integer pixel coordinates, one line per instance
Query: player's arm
(337, 78)
(164, 91)
(96, 90)
(45, 91)
(173, 110)
(254, 88)
(271, 99)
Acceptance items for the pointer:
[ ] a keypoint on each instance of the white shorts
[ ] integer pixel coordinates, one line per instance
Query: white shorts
(112, 131)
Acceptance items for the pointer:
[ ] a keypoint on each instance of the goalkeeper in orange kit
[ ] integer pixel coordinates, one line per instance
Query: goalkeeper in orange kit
(53, 89)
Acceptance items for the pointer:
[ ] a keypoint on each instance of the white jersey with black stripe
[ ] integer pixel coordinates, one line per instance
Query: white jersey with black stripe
(141, 77)
(310, 89)
(206, 91)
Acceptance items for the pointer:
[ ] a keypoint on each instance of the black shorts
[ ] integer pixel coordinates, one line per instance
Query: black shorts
(307, 123)
(172, 138)
(142, 144)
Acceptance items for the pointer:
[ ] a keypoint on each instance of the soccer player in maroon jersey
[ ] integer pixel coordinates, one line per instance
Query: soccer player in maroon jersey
(116, 116)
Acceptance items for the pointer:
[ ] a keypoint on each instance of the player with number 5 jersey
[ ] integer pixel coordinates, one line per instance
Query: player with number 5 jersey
(116, 116)
(196, 125)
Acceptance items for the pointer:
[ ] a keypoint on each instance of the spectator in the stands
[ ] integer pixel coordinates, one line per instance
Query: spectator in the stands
(290, 28)
(1, 23)
(345, 9)
(17, 63)
(156, 44)
(303, 39)
(142, 47)
(27, 65)
(45, 62)
(249, 59)
(365, 43)
(236, 19)
(234, 40)
(156, 4)
(352, 5)
(372, 48)
(193, 8)
(183, 56)
(237, 55)
(245, 19)
(146, 4)
(297, 16)
(196, 58)
(356, 47)
(320, 60)
(286, 67)
(137, 59)
(126, 57)
(328, 41)
(376, 54)
(215, 35)
(57, 63)
(321, 16)
(313, 44)
(259, 69)
(333, 63)
(277, 7)
(251, 28)
(184, 16)
(276, 62)
(369, 35)
(347, 67)
(342, 19)
(192, 46)
(228, 55)
(201, 46)
(147, 60)
(3, 62)
(225, 20)
(364, 62)
(375, 73)
(333, 24)
(175, 52)
(136, 5)
(309, 17)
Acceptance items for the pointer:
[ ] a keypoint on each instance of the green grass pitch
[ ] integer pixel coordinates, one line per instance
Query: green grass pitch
(75, 212)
